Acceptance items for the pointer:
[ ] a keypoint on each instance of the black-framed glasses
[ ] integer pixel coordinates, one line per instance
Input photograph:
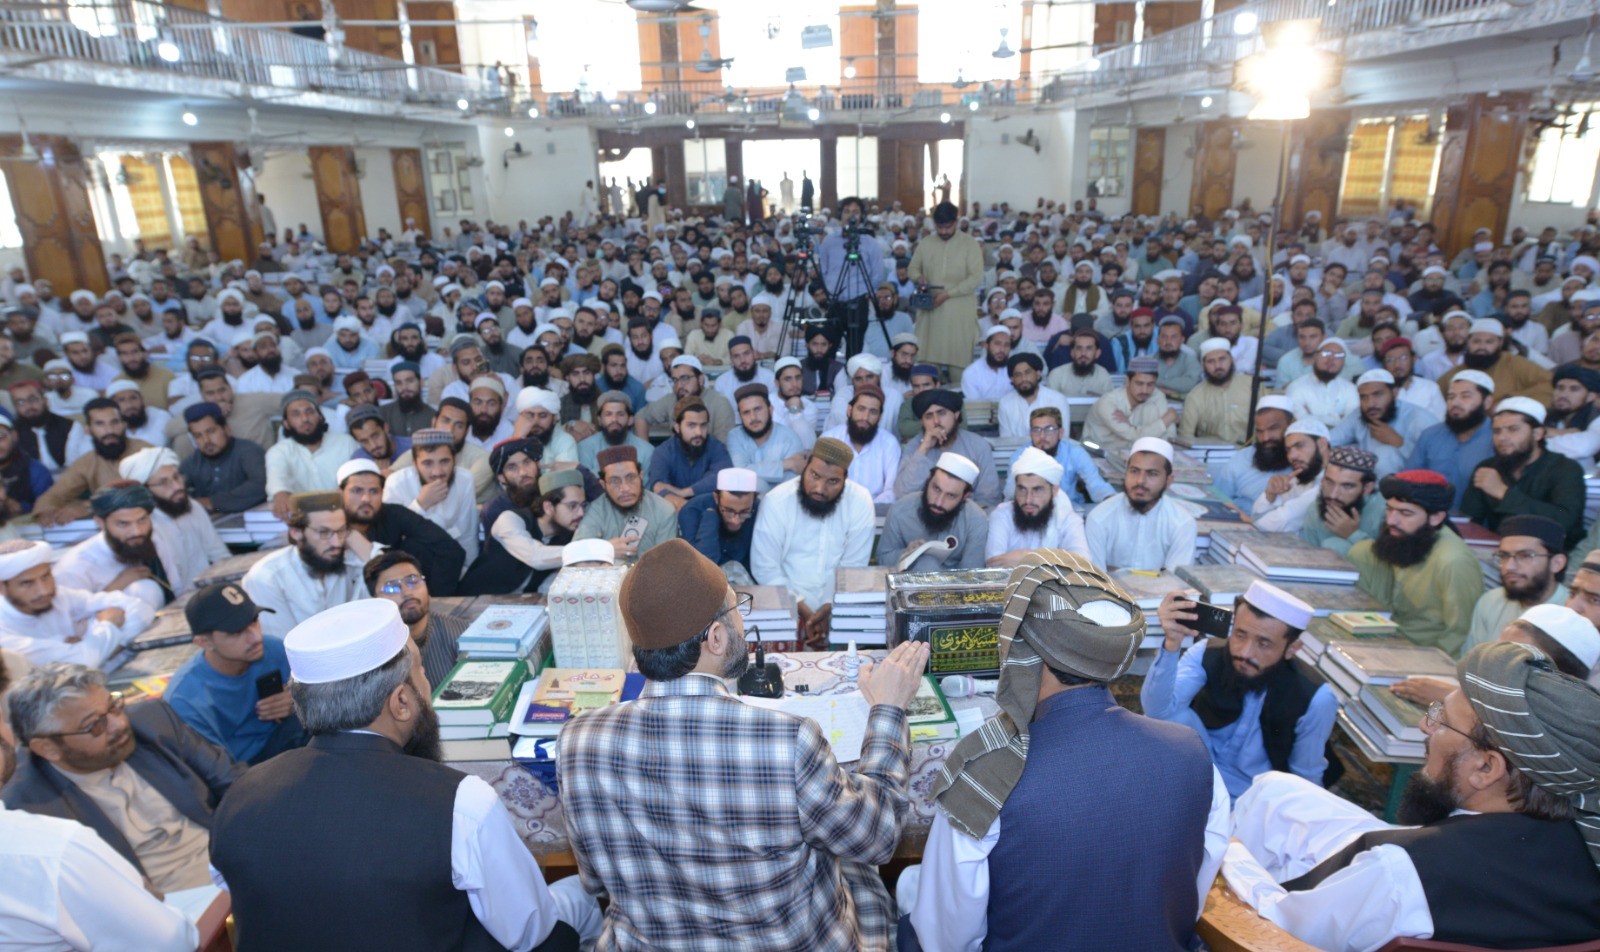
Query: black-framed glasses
(1434, 719)
(395, 586)
(97, 727)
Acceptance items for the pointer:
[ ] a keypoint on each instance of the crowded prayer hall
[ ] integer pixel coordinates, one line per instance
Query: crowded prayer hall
(737, 475)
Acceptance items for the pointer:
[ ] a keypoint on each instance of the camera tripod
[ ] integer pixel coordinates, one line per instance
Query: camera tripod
(850, 318)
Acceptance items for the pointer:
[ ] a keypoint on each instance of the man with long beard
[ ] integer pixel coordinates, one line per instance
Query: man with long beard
(688, 380)
(502, 357)
(987, 378)
(1400, 359)
(578, 408)
(143, 421)
(743, 369)
(818, 368)
(773, 453)
(811, 526)
(407, 412)
(613, 427)
(367, 428)
(67, 499)
(1217, 411)
(269, 374)
(1492, 852)
(125, 555)
(1255, 711)
(1082, 375)
(399, 527)
(1531, 557)
(644, 364)
(876, 452)
(1282, 505)
(153, 381)
(1039, 515)
(311, 456)
(1325, 394)
(318, 569)
(182, 529)
(1465, 439)
(630, 517)
(438, 488)
(1523, 478)
(942, 511)
(528, 533)
(1140, 528)
(407, 343)
(1348, 507)
(721, 524)
(1513, 375)
(54, 440)
(687, 465)
(360, 690)
(1418, 568)
(614, 376)
(1382, 424)
(938, 414)
(487, 401)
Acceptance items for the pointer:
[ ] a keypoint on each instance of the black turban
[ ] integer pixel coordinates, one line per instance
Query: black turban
(937, 397)
(1032, 360)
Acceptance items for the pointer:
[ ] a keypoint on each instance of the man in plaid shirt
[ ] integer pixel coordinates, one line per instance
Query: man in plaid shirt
(713, 824)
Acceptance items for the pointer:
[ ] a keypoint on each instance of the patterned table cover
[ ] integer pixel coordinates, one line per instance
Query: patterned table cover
(536, 811)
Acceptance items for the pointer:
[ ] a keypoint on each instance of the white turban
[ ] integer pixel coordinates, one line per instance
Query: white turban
(532, 397)
(20, 555)
(1036, 462)
(864, 361)
(142, 465)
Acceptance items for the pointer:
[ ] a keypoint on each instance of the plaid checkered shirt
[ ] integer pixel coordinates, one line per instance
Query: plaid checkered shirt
(716, 825)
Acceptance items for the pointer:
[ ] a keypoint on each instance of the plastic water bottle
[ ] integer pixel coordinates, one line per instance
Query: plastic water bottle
(852, 662)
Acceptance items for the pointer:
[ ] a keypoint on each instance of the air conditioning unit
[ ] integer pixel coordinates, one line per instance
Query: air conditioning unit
(795, 74)
(815, 37)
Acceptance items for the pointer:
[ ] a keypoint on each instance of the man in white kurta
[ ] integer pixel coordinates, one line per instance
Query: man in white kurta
(1137, 410)
(1142, 527)
(74, 626)
(305, 462)
(876, 463)
(285, 582)
(456, 514)
(1026, 395)
(984, 379)
(183, 530)
(1324, 394)
(1037, 474)
(91, 566)
(1282, 505)
(794, 548)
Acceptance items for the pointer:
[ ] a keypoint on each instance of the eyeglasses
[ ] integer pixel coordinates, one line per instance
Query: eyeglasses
(97, 727)
(735, 515)
(408, 582)
(1331, 353)
(1506, 558)
(328, 533)
(1434, 719)
(1052, 428)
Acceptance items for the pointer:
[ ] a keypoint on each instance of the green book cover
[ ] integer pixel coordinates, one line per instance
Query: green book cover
(929, 714)
(479, 692)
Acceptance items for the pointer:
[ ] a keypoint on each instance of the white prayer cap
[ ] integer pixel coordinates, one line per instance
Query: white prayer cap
(1434, 269)
(317, 352)
(722, 281)
(82, 295)
(57, 364)
(1568, 629)
(521, 302)
(1577, 279)
(1310, 426)
(1488, 325)
(353, 467)
(140, 466)
(1230, 213)
(1152, 444)
(770, 300)
(121, 386)
(1483, 246)
(1588, 261)
(73, 337)
(532, 397)
(588, 550)
(549, 283)
(1171, 274)
(347, 323)
(958, 466)
(384, 269)
(440, 280)
(1279, 604)
(450, 288)
(1036, 462)
(20, 555)
(540, 330)
(345, 641)
(671, 342)
(1213, 344)
(998, 329)
(1085, 265)
(557, 313)
(1475, 377)
(1275, 401)
(1455, 312)
(494, 284)
(688, 360)
(1239, 240)
(1375, 376)
(784, 363)
(863, 361)
(737, 480)
(650, 296)
(1300, 259)
(596, 304)
(1524, 405)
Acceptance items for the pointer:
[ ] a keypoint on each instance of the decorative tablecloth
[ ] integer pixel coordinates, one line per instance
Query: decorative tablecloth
(536, 811)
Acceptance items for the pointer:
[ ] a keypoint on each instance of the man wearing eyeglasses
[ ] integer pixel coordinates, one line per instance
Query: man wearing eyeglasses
(1532, 560)
(319, 568)
(1495, 849)
(721, 524)
(137, 775)
(396, 576)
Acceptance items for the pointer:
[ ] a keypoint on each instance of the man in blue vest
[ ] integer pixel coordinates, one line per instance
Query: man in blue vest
(1070, 823)
(1497, 850)
(1249, 704)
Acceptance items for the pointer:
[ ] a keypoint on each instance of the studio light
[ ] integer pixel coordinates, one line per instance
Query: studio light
(190, 119)
(813, 113)
(1205, 102)
(533, 112)
(462, 104)
(1245, 22)
(510, 132)
(650, 107)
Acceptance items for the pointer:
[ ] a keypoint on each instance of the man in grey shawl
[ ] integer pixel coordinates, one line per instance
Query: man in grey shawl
(1067, 822)
(1502, 843)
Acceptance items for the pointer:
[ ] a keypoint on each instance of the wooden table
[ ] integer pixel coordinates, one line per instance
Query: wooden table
(1230, 925)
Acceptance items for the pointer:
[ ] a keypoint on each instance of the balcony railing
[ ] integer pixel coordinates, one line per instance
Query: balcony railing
(186, 44)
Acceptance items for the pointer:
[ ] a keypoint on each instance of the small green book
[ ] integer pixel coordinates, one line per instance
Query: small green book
(479, 692)
(929, 716)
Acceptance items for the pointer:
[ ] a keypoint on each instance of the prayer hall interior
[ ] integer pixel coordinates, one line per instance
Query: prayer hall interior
(738, 474)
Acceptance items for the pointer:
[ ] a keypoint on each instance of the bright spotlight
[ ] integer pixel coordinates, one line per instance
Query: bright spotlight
(688, 123)
(850, 72)
(1245, 22)
(169, 51)
(462, 104)
(533, 112)
(1205, 102)
(944, 117)
(813, 113)
(510, 132)
(973, 105)
(650, 107)
(190, 119)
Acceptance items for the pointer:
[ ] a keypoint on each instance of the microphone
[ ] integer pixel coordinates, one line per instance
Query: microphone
(965, 685)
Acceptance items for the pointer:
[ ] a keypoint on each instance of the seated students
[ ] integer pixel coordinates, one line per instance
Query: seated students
(235, 691)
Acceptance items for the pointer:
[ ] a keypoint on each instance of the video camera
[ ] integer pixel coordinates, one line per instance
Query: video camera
(922, 298)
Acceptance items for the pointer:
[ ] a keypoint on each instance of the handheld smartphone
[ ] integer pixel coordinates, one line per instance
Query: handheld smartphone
(634, 527)
(269, 684)
(1213, 620)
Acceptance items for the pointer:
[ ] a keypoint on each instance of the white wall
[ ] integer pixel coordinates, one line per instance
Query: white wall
(1177, 168)
(1255, 171)
(549, 181)
(1004, 171)
(379, 203)
(285, 179)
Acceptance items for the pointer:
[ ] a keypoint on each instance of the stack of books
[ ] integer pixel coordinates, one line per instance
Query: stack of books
(1322, 632)
(1148, 589)
(860, 606)
(1224, 545)
(555, 696)
(1218, 584)
(231, 528)
(1392, 723)
(1287, 557)
(504, 631)
(1350, 664)
(586, 627)
(956, 612)
(230, 569)
(929, 716)
(476, 698)
(65, 534)
(980, 414)
(261, 525)
(773, 608)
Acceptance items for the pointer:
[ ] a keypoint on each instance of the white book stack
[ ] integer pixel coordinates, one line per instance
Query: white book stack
(773, 609)
(231, 528)
(377, 368)
(67, 533)
(504, 631)
(586, 628)
(860, 606)
(262, 525)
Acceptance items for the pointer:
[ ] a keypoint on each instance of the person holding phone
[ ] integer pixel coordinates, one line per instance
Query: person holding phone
(1249, 704)
(232, 692)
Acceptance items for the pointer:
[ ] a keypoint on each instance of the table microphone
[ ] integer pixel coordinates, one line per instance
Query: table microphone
(763, 678)
(965, 685)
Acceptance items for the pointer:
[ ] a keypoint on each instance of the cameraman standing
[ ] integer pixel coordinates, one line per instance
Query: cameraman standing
(953, 262)
(851, 302)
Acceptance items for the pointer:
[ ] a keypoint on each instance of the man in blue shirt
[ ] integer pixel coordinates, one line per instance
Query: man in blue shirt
(721, 524)
(235, 692)
(1455, 447)
(1047, 432)
(686, 465)
(1245, 474)
(1244, 697)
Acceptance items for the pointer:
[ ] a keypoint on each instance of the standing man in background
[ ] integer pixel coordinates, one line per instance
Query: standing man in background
(953, 262)
(849, 287)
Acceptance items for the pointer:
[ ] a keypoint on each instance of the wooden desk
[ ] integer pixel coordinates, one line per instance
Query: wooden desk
(1230, 925)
